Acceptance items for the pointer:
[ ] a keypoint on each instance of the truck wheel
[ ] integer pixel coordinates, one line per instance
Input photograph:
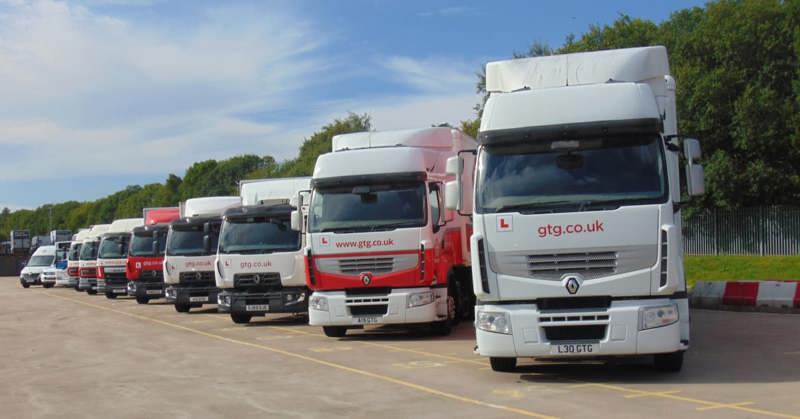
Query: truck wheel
(503, 364)
(672, 362)
(77, 287)
(91, 291)
(182, 307)
(25, 284)
(334, 331)
(111, 295)
(142, 299)
(240, 318)
(441, 328)
(47, 285)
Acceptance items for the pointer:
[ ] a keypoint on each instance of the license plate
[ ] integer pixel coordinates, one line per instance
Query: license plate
(257, 307)
(574, 349)
(198, 299)
(367, 320)
(120, 291)
(150, 292)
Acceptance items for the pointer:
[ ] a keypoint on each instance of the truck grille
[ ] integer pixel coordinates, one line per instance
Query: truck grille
(31, 277)
(88, 272)
(116, 278)
(196, 278)
(260, 280)
(572, 333)
(376, 265)
(603, 263)
(155, 275)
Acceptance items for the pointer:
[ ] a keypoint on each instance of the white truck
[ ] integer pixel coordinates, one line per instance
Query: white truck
(381, 249)
(577, 248)
(112, 256)
(191, 250)
(43, 258)
(73, 256)
(260, 266)
(87, 259)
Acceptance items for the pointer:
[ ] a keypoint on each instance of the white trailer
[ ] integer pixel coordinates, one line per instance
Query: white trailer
(191, 249)
(577, 248)
(260, 266)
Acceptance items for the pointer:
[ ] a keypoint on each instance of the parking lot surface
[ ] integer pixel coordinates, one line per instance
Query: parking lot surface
(68, 354)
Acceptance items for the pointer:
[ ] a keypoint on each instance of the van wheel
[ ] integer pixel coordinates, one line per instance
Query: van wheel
(24, 284)
(503, 364)
(240, 318)
(142, 299)
(334, 331)
(111, 295)
(672, 362)
(182, 307)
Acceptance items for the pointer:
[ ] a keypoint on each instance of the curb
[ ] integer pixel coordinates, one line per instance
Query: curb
(762, 296)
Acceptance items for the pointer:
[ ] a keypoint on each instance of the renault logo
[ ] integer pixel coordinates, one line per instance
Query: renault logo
(366, 278)
(572, 283)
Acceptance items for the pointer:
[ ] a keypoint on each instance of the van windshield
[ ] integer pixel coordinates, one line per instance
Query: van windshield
(89, 251)
(368, 207)
(41, 260)
(114, 247)
(571, 175)
(258, 235)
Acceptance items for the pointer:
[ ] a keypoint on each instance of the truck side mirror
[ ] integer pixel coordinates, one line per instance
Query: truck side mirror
(695, 176)
(206, 228)
(207, 244)
(453, 189)
(295, 220)
(155, 247)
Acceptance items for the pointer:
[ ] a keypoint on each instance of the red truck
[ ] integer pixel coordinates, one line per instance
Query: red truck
(144, 268)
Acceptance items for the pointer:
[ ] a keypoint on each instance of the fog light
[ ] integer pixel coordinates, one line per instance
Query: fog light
(318, 303)
(652, 317)
(420, 299)
(493, 321)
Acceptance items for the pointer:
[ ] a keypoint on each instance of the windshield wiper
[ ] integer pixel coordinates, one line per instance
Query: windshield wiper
(392, 226)
(533, 207)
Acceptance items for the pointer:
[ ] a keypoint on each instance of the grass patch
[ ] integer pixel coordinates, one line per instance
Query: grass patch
(733, 268)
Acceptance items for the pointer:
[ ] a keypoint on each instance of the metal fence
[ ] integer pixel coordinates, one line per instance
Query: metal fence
(744, 231)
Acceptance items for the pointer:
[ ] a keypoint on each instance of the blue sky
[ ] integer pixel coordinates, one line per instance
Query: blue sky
(99, 94)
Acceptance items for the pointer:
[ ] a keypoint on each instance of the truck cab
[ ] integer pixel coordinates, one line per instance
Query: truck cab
(43, 258)
(381, 249)
(145, 266)
(191, 250)
(87, 259)
(577, 243)
(112, 255)
(73, 256)
(260, 266)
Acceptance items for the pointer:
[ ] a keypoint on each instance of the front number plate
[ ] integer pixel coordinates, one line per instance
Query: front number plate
(574, 349)
(367, 320)
(150, 292)
(202, 299)
(120, 291)
(257, 307)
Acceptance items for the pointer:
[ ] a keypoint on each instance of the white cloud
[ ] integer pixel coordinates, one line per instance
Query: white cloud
(432, 75)
(136, 98)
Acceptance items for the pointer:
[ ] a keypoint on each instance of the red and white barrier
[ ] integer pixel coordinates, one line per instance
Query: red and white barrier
(774, 294)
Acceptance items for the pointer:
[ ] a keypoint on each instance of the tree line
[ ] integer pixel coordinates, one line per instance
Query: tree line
(736, 65)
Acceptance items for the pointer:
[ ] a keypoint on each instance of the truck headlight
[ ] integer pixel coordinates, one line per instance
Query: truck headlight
(493, 321)
(319, 303)
(652, 317)
(420, 299)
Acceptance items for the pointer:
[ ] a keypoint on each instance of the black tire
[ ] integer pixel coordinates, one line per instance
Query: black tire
(24, 284)
(47, 285)
(441, 328)
(111, 295)
(142, 299)
(503, 364)
(241, 318)
(334, 331)
(182, 307)
(672, 362)
(77, 287)
(91, 291)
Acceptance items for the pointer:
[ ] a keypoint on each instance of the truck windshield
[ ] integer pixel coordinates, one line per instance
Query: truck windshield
(187, 240)
(258, 235)
(573, 175)
(368, 207)
(41, 260)
(142, 244)
(74, 251)
(113, 247)
(89, 251)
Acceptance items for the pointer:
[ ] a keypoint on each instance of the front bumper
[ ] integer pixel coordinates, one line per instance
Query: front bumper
(87, 283)
(67, 281)
(48, 279)
(528, 337)
(287, 300)
(141, 288)
(341, 307)
(195, 295)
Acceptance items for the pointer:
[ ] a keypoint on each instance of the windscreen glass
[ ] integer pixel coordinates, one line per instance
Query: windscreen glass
(41, 260)
(114, 247)
(89, 251)
(574, 175)
(368, 207)
(74, 251)
(142, 243)
(187, 240)
(258, 235)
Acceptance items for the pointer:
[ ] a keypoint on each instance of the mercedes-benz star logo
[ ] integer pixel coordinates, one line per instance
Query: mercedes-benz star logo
(366, 278)
(572, 284)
